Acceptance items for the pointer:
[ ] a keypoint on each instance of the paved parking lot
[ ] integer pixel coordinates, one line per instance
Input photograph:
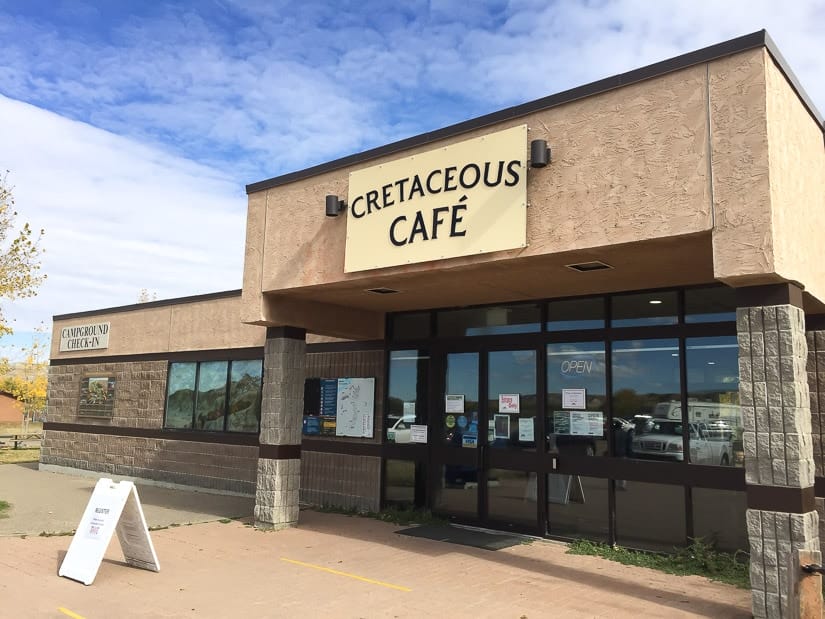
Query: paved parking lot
(339, 566)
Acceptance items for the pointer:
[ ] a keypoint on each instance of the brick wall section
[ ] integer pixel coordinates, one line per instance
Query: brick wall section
(140, 393)
(206, 465)
(337, 480)
(776, 416)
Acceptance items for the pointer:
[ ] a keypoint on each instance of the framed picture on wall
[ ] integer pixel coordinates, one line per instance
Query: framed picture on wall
(97, 396)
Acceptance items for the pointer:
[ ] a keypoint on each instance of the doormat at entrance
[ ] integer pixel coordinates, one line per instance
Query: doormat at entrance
(465, 537)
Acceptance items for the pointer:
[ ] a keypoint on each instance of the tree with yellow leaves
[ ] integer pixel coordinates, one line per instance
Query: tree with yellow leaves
(27, 380)
(20, 254)
(20, 277)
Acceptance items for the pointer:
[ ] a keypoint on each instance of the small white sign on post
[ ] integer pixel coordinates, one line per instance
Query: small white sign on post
(112, 507)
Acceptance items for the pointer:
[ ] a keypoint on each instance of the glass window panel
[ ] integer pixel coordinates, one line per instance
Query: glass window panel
(713, 401)
(407, 393)
(245, 396)
(512, 496)
(577, 506)
(180, 399)
(399, 482)
(576, 366)
(575, 314)
(719, 518)
(457, 491)
(523, 318)
(210, 404)
(459, 423)
(650, 516)
(645, 309)
(710, 304)
(411, 326)
(512, 379)
(646, 398)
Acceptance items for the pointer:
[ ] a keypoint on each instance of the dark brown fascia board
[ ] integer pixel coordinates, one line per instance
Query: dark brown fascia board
(701, 56)
(150, 304)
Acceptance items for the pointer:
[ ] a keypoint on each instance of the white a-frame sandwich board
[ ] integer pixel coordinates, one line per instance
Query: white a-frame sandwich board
(112, 507)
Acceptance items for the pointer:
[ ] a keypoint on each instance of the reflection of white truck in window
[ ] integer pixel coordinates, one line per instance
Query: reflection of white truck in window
(721, 420)
(662, 439)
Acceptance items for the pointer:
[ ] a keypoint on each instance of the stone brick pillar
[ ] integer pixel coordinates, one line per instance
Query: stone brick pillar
(816, 384)
(779, 466)
(282, 408)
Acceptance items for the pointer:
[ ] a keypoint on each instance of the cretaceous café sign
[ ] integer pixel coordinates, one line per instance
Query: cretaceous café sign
(464, 199)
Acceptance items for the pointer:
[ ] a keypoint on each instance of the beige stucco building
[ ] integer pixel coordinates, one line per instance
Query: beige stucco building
(598, 314)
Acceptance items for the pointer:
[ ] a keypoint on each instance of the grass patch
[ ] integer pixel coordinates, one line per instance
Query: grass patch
(395, 515)
(18, 456)
(4, 507)
(699, 559)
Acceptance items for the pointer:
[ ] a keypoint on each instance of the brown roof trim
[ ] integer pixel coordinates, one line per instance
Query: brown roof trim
(150, 304)
(706, 54)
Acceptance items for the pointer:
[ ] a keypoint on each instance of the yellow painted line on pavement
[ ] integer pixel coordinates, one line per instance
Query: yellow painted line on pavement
(69, 613)
(348, 575)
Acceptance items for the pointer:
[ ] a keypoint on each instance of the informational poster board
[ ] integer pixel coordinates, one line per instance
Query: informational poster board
(578, 423)
(454, 403)
(418, 433)
(526, 429)
(574, 398)
(113, 507)
(356, 407)
(339, 407)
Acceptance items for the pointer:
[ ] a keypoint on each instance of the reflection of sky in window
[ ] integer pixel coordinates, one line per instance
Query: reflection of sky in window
(246, 368)
(212, 375)
(462, 374)
(181, 376)
(512, 371)
(646, 366)
(404, 374)
(712, 364)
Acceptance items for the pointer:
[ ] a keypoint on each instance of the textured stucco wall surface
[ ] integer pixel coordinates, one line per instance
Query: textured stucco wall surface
(796, 153)
(201, 325)
(628, 165)
(742, 236)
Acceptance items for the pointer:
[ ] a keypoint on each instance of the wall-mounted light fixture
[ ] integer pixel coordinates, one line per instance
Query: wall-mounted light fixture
(334, 206)
(539, 154)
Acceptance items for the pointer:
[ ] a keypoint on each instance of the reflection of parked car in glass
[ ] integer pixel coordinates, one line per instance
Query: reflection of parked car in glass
(400, 431)
(662, 439)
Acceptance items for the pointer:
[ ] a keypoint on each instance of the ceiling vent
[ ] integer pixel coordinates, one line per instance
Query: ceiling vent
(584, 267)
(382, 290)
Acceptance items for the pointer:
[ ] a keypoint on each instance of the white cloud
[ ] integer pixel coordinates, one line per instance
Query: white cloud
(182, 104)
(119, 216)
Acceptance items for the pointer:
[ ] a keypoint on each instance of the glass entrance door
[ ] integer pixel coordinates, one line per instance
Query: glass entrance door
(487, 427)
(459, 432)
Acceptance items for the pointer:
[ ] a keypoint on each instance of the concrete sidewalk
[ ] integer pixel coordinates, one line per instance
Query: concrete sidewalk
(45, 502)
(331, 565)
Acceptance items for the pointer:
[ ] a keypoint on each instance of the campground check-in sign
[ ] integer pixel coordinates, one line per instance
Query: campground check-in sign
(464, 199)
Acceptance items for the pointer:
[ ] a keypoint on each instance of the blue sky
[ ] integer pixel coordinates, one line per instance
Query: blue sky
(130, 128)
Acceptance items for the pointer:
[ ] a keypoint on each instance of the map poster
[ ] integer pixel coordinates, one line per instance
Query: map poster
(355, 406)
